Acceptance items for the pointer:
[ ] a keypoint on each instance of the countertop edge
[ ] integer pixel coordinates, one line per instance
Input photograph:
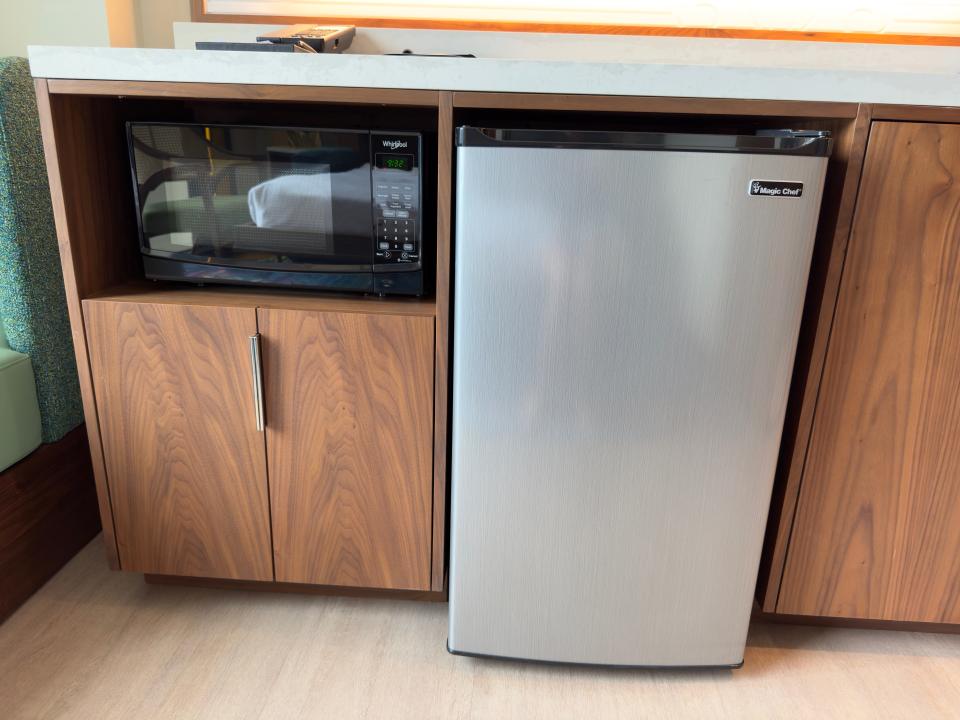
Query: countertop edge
(498, 75)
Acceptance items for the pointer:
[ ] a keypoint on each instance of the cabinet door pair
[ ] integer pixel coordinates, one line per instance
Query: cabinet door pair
(337, 488)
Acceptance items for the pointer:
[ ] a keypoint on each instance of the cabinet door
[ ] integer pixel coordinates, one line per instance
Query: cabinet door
(349, 401)
(185, 463)
(877, 529)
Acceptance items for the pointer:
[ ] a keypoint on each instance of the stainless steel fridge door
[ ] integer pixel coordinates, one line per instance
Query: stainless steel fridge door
(625, 325)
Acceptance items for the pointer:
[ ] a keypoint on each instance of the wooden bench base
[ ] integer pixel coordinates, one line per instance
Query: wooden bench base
(48, 512)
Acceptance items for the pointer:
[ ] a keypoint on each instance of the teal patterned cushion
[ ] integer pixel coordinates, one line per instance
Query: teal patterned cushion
(33, 307)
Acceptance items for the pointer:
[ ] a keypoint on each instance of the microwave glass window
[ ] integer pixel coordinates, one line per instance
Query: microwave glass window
(253, 196)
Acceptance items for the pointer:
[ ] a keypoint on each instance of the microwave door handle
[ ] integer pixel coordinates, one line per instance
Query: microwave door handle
(256, 367)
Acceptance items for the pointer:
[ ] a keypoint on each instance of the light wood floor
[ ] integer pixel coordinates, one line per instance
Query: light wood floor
(96, 644)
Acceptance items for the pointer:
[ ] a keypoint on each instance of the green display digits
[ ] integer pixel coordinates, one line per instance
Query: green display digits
(395, 162)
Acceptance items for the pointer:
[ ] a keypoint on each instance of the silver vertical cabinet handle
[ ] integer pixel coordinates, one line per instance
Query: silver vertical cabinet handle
(257, 367)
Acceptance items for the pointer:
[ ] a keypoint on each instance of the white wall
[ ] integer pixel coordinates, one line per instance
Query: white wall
(121, 23)
(117, 23)
(51, 22)
(155, 20)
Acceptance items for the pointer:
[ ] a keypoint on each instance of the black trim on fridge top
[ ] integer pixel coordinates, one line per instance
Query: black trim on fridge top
(765, 142)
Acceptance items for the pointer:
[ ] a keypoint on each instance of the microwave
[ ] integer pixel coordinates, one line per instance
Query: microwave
(298, 207)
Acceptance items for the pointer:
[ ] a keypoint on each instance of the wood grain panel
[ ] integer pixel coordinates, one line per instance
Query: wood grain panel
(441, 361)
(252, 297)
(88, 162)
(349, 431)
(185, 464)
(916, 113)
(833, 233)
(647, 104)
(240, 91)
(877, 530)
(48, 512)
(83, 232)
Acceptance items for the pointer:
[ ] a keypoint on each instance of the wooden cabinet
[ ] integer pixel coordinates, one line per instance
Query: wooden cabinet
(877, 528)
(185, 464)
(348, 399)
(350, 446)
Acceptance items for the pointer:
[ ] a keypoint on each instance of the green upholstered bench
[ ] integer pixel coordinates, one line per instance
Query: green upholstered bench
(48, 504)
(19, 412)
(33, 309)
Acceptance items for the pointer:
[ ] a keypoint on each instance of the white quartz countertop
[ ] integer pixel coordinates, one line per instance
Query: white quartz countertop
(543, 63)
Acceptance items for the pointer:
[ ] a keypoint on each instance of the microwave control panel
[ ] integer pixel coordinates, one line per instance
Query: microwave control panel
(395, 176)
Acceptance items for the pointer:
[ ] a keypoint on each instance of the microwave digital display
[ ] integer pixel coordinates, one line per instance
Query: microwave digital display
(394, 161)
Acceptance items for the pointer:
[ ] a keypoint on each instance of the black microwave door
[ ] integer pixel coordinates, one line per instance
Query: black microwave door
(288, 199)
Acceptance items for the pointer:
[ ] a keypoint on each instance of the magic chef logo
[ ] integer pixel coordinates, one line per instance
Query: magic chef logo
(776, 188)
(394, 144)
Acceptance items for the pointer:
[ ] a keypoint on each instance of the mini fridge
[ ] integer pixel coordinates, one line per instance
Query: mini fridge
(626, 312)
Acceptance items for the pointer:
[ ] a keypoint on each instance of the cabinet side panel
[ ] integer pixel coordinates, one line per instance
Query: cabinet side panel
(442, 374)
(878, 521)
(833, 233)
(63, 160)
